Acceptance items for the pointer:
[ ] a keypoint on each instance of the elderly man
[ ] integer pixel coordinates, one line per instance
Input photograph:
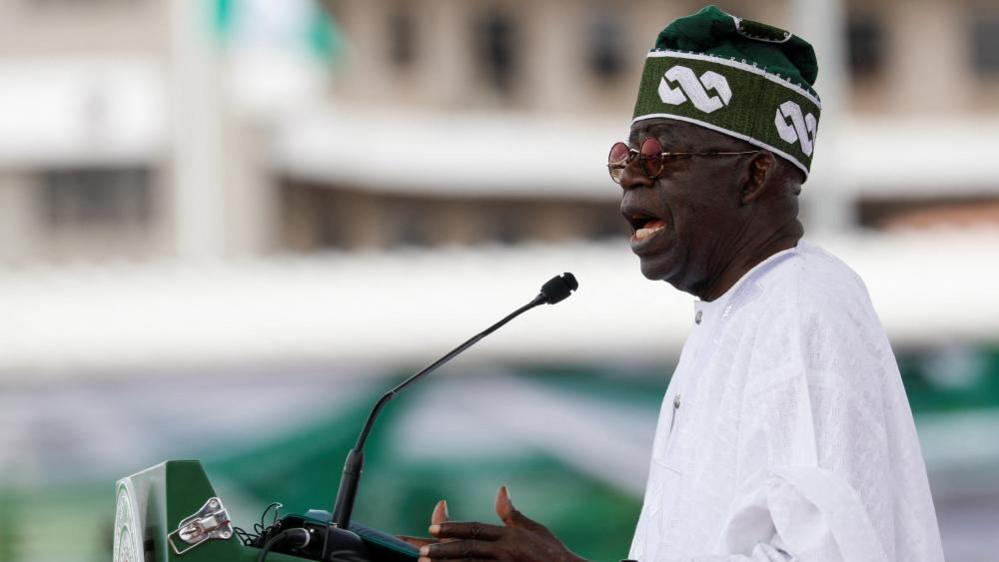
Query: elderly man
(785, 433)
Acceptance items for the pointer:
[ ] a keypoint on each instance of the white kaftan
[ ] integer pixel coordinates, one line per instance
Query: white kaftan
(785, 433)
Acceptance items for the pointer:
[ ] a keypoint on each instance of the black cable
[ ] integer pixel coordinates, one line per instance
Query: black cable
(276, 506)
(303, 537)
(347, 556)
(246, 538)
(259, 529)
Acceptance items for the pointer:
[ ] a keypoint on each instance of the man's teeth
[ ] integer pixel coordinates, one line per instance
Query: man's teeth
(643, 233)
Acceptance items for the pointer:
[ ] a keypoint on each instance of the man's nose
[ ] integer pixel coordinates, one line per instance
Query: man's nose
(632, 177)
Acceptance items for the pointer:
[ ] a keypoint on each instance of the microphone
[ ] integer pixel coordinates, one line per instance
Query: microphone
(558, 288)
(554, 291)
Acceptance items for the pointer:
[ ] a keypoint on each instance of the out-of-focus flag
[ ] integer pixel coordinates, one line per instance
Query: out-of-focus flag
(287, 24)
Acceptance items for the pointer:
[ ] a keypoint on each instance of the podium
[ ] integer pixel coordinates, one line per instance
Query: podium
(170, 512)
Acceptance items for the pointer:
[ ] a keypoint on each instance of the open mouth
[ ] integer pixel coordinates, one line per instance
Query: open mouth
(644, 226)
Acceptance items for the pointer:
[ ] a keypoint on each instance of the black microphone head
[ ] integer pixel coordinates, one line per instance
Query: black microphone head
(558, 288)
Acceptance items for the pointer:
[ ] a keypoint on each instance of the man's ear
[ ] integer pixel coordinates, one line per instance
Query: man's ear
(755, 185)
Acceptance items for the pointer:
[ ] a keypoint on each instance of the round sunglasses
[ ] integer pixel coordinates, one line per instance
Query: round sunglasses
(651, 158)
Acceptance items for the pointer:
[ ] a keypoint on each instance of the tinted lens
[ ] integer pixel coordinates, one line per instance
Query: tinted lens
(615, 173)
(618, 154)
(617, 159)
(652, 157)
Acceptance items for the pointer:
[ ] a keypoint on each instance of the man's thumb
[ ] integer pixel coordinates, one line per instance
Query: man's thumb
(509, 514)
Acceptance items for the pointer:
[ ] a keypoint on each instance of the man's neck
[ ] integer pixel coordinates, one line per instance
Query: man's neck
(732, 275)
(746, 259)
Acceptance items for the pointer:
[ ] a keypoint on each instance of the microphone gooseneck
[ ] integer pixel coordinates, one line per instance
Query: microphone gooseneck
(555, 290)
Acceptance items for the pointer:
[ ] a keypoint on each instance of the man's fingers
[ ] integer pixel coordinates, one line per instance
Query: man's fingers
(440, 514)
(416, 541)
(469, 549)
(473, 531)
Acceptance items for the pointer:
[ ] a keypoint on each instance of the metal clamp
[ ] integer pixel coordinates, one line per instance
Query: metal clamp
(209, 522)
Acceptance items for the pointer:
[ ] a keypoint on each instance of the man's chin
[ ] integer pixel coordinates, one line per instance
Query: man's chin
(657, 270)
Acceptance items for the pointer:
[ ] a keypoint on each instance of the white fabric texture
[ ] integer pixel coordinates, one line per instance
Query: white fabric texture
(785, 433)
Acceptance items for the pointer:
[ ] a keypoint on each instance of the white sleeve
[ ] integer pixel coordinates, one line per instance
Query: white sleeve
(803, 514)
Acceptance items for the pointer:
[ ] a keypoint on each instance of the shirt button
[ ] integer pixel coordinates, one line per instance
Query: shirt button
(697, 317)
(676, 402)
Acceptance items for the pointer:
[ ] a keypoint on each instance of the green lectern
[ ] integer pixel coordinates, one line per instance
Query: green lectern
(171, 512)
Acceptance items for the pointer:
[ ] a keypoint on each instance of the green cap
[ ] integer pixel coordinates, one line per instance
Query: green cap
(743, 78)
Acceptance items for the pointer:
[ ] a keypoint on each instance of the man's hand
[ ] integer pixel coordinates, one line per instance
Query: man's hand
(519, 539)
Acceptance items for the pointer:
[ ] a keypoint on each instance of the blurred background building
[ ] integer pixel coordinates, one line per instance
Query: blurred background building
(224, 224)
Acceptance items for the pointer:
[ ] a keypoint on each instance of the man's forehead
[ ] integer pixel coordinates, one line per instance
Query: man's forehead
(680, 136)
(672, 134)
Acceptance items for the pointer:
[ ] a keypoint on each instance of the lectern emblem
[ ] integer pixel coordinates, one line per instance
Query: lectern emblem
(126, 531)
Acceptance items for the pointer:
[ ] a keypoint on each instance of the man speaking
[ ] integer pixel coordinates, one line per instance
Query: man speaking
(785, 433)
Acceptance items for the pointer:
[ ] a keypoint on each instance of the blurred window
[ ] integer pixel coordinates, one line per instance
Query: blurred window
(605, 49)
(412, 226)
(96, 196)
(402, 38)
(866, 46)
(607, 224)
(506, 227)
(985, 45)
(495, 37)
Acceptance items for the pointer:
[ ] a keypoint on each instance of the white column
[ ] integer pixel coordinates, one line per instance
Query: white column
(198, 193)
(828, 196)
(17, 217)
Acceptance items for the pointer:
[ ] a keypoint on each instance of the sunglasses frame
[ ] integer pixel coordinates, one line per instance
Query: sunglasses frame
(633, 154)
